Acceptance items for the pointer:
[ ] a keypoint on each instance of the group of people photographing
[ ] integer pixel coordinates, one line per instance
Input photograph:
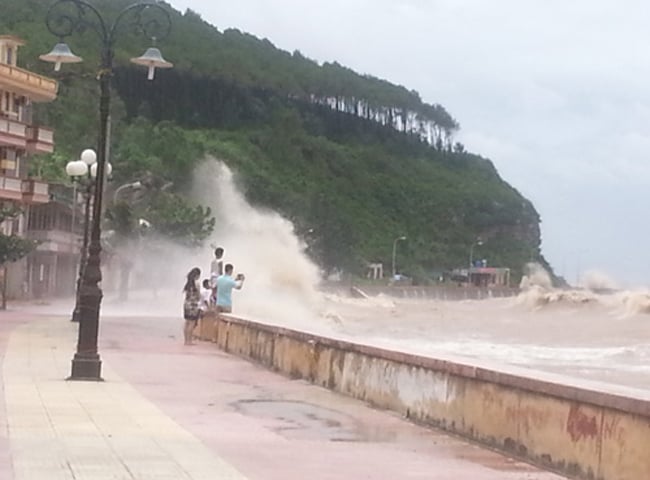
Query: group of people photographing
(214, 294)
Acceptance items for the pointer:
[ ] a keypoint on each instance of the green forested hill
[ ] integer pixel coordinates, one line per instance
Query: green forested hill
(354, 159)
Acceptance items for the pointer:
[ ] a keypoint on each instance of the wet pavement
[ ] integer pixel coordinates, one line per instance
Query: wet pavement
(8, 321)
(575, 333)
(253, 421)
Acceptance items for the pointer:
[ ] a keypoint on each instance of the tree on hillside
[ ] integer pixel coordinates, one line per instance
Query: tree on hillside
(175, 218)
(12, 247)
(136, 223)
(351, 158)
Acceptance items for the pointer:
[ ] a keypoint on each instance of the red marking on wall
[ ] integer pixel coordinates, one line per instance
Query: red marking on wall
(611, 427)
(579, 425)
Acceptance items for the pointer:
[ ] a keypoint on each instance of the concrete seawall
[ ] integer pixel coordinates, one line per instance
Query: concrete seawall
(588, 430)
(439, 292)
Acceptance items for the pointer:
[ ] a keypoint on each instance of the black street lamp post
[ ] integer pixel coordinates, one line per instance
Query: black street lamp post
(76, 313)
(64, 18)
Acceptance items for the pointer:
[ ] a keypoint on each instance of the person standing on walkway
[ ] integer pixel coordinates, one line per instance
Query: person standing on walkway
(216, 270)
(225, 285)
(191, 305)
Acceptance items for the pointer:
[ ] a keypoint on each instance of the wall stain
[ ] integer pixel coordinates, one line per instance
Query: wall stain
(579, 425)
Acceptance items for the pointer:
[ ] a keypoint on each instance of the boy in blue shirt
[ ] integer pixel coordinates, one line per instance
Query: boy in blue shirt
(225, 285)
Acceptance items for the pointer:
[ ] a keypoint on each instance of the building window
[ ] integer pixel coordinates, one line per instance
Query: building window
(36, 219)
(10, 55)
(15, 107)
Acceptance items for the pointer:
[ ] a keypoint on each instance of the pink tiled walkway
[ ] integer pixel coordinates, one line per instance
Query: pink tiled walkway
(9, 319)
(272, 428)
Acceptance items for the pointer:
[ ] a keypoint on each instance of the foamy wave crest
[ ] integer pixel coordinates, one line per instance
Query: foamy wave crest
(535, 276)
(598, 281)
(537, 290)
(538, 297)
(633, 303)
(381, 300)
(281, 281)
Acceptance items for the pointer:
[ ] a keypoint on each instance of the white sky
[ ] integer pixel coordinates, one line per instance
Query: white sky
(555, 92)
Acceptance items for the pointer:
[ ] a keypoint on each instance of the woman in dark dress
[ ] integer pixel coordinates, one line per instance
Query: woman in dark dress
(191, 304)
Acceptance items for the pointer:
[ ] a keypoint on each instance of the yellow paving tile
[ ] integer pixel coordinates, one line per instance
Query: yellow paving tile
(62, 430)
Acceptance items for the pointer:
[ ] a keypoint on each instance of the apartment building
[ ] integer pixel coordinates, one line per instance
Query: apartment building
(20, 138)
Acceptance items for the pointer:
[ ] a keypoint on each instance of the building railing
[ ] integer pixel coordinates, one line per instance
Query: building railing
(35, 139)
(43, 88)
(13, 127)
(58, 236)
(11, 184)
(40, 134)
(38, 187)
(40, 140)
(35, 191)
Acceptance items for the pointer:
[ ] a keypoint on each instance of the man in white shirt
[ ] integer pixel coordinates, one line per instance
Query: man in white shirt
(216, 270)
(216, 267)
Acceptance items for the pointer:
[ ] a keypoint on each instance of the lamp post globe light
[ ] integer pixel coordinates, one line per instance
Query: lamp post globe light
(64, 18)
(395, 253)
(76, 169)
(89, 159)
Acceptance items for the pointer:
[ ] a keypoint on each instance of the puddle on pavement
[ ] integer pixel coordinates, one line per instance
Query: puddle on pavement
(294, 419)
(301, 420)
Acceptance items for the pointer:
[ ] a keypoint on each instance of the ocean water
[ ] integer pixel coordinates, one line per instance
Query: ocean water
(575, 333)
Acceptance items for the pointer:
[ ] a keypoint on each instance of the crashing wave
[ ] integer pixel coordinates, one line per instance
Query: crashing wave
(536, 290)
(536, 297)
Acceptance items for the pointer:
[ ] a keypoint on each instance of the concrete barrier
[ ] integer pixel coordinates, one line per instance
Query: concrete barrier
(589, 430)
(437, 292)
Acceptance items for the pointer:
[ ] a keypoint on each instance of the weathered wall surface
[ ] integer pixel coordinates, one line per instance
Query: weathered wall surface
(593, 431)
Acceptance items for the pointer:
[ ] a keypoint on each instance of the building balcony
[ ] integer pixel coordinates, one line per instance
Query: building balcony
(32, 85)
(58, 241)
(31, 138)
(40, 140)
(11, 188)
(35, 191)
(13, 133)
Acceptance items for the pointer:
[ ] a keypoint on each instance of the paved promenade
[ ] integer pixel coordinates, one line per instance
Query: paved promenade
(166, 411)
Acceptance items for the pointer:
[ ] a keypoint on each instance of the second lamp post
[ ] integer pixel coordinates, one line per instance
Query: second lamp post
(395, 254)
(64, 18)
(83, 171)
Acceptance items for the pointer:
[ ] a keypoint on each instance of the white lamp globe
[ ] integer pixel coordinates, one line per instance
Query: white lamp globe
(76, 168)
(107, 170)
(89, 156)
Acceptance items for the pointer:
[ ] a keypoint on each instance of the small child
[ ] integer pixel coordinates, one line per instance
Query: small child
(206, 296)
(213, 287)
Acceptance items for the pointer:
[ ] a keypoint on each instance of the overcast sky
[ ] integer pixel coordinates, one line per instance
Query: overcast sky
(555, 92)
